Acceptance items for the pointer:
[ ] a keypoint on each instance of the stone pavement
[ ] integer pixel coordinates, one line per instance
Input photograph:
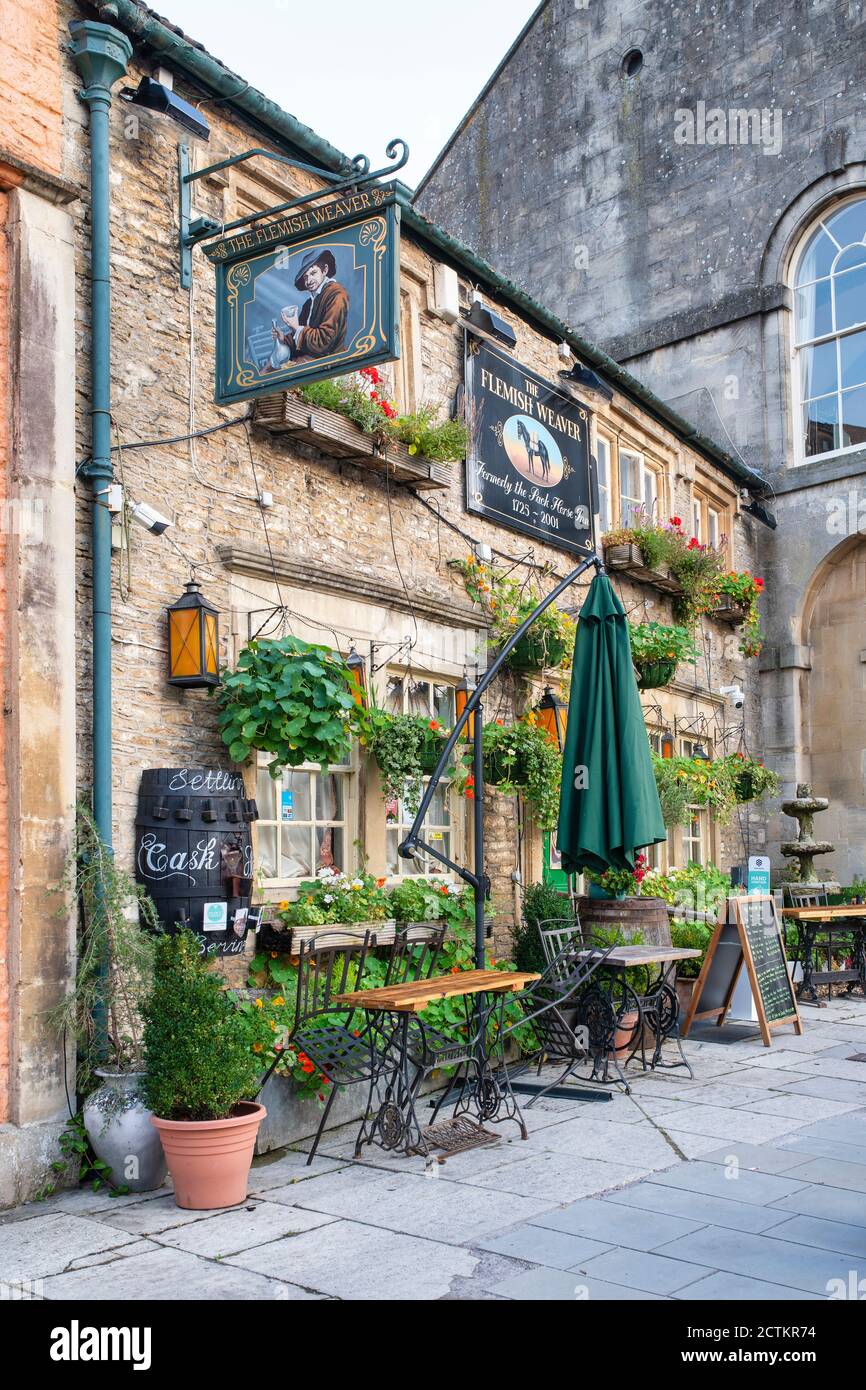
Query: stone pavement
(748, 1182)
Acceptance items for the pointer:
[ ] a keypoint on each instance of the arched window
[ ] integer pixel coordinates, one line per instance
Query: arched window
(830, 333)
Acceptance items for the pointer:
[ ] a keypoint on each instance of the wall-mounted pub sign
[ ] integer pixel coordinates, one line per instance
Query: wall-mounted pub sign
(309, 295)
(529, 463)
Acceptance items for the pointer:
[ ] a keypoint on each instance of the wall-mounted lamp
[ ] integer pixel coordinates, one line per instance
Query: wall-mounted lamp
(491, 324)
(154, 96)
(193, 641)
(667, 744)
(700, 753)
(761, 514)
(357, 668)
(588, 383)
(462, 691)
(551, 716)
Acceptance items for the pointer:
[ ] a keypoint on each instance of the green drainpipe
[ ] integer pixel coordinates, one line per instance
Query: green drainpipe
(101, 54)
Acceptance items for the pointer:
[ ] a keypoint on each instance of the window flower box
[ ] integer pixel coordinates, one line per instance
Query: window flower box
(627, 559)
(729, 610)
(338, 438)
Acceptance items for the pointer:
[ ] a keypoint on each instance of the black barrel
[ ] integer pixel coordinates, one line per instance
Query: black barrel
(193, 851)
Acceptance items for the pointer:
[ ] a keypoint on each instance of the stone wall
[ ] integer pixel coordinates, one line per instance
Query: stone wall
(326, 515)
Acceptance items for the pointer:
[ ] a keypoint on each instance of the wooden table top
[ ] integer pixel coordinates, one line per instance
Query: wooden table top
(415, 996)
(825, 914)
(646, 955)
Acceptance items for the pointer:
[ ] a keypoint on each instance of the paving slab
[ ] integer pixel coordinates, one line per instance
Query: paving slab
(351, 1261)
(734, 1288)
(689, 1145)
(641, 1145)
(149, 1218)
(45, 1245)
(711, 1179)
(827, 1203)
(760, 1158)
(824, 1148)
(164, 1275)
(638, 1269)
(838, 1067)
(716, 1093)
(289, 1167)
(763, 1257)
(416, 1205)
(829, 1087)
(118, 1252)
(554, 1285)
(556, 1178)
(542, 1246)
(82, 1201)
(829, 1235)
(763, 1079)
(230, 1232)
(832, 1172)
(717, 1122)
(698, 1208)
(792, 1107)
(615, 1224)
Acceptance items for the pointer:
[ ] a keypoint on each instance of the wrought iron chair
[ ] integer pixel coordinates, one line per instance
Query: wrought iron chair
(331, 964)
(838, 937)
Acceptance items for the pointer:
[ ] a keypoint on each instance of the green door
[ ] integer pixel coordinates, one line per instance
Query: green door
(552, 871)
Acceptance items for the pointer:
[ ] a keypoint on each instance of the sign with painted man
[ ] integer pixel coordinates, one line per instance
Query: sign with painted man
(308, 295)
(529, 465)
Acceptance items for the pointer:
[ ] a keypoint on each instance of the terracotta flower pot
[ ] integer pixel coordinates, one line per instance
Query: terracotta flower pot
(685, 990)
(626, 1034)
(209, 1160)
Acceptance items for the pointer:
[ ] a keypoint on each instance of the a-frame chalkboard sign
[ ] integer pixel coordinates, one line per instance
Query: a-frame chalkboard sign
(747, 930)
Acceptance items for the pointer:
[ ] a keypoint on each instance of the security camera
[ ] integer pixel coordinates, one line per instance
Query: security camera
(737, 697)
(149, 517)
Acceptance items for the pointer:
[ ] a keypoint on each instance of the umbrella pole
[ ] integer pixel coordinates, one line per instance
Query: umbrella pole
(481, 886)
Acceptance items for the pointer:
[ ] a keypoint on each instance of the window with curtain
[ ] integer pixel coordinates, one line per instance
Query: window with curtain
(306, 822)
(407, 693)
(830, 333)
(604, 519)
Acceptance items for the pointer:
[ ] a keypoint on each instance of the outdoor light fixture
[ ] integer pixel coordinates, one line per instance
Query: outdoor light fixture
(486, 321)
(552, 716)
(760, 514)
(588, 382)
(357, 668)
(154, 96)
(193, 641)
(700, 754)
(667, 744)
(462, 691)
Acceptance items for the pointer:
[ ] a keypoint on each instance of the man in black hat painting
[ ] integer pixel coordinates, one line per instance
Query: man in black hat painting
(319, 329)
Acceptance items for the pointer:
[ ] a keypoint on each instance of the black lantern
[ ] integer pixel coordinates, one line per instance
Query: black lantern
(551, 716)
(357, 668)
(193, 641)
(700, 753)
(667, 744)
(462, 691)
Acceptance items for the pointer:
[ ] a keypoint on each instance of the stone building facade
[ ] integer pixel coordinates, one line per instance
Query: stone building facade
(346, 556)
(695, 203)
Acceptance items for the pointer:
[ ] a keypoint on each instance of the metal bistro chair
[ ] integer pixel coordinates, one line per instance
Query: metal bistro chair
(552, 1008)
(838, 937)
(328, 964)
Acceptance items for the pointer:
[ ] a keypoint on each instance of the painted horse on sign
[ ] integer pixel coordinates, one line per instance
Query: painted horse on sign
(535, 448)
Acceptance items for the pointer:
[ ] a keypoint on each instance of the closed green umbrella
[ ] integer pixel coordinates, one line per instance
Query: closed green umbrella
(609, 807)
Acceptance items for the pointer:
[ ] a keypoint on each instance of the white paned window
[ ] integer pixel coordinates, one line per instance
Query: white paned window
(306, 822)
(638, 487)
(694, 837)
(409, 694)
(603, 475)
(830, 334)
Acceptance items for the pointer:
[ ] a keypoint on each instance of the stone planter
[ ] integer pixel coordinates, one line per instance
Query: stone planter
(118, 1127)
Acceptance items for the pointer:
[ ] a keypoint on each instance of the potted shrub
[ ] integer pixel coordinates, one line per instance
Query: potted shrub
(201, 1071)
(689, 936)
(292, 699)
(656, 650)
(617, 883)
(103, 1013)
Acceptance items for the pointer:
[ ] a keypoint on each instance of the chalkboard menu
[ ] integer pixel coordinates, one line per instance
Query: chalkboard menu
(768, 957)
(747, 933)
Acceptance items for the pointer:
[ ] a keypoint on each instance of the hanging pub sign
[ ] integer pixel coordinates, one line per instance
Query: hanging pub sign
(528, 465)
(309, 295)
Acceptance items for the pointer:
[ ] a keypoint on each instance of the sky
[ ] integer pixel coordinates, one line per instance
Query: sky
(365, 73)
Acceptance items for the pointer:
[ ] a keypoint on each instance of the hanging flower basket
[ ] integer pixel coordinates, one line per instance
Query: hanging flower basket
(430, 754)
(655, 674)
(534, 651)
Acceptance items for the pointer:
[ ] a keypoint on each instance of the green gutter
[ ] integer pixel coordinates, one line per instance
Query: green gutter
(145, 27)
(148, 29)
(462, 258)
